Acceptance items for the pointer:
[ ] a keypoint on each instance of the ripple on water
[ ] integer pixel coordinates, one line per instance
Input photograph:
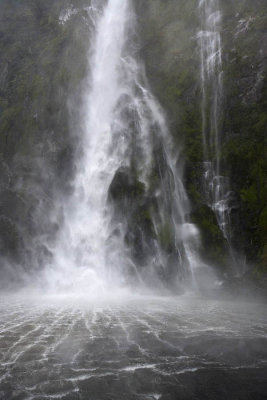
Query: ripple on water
(143, 349)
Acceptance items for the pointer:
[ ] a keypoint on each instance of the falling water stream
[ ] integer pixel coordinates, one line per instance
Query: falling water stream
(91, 337)
(80, 252)
(121, 121)
(217, 187)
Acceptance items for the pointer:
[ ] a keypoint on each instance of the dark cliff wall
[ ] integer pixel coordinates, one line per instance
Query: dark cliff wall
(245, 123)
(169, 48)
(43, 63)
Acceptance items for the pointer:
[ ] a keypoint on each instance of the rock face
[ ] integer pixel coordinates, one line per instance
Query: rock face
(132, 208)
(41, 70)
(169, 47)
(43, 47)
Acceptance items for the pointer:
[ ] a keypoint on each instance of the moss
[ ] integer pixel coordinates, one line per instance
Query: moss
(166, 237)
(153, 180)
(3, 104)
(244, 161)
(194, 194)
(214, 247)
(125, 186)
(145, 215)
(10, 117)
(38, 86)
(260, 271)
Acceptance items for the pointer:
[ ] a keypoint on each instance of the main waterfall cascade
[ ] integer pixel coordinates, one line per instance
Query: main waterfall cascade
(217, 188)
(122, 124)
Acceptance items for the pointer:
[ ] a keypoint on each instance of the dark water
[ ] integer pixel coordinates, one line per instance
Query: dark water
(144, 348)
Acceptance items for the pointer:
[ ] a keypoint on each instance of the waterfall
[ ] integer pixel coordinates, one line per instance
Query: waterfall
(124, 129)
(217, 188)
(211, 78)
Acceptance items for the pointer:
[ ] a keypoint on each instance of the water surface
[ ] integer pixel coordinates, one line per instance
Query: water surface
(132, 348)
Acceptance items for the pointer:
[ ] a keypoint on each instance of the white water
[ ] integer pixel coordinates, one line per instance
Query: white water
(80, 251)
(121, 120)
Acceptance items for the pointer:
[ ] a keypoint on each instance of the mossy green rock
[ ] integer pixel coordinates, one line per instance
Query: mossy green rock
(170, 50)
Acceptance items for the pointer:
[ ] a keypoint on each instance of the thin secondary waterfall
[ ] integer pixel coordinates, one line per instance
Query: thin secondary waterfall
(122, 124)
(211, 78)
(216, 186)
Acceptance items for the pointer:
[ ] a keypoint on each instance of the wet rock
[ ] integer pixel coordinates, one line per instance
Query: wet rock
(132, 208)
(125, 186)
